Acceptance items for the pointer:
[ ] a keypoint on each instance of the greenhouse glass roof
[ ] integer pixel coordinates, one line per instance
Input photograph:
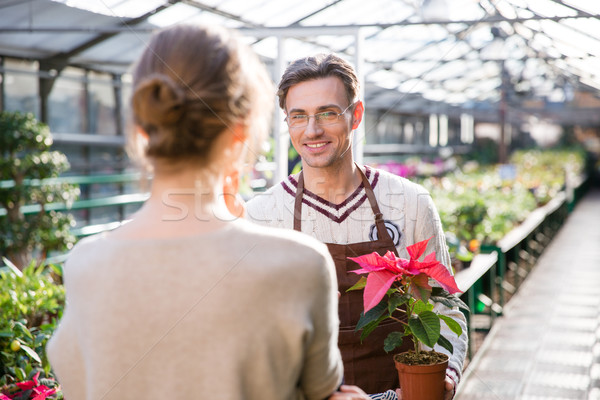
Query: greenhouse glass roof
(412, 54)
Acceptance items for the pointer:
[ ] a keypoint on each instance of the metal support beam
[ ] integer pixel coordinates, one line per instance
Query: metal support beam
(279, 129)
(300, 30)
(358, 143)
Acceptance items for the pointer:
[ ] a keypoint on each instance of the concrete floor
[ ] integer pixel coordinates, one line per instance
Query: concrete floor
(547, 343)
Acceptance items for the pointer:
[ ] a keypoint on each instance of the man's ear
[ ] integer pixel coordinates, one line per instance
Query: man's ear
(357, 115)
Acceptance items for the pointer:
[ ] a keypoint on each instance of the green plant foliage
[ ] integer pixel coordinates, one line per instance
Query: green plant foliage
(27, 167)
(31, 303)
(476, 203)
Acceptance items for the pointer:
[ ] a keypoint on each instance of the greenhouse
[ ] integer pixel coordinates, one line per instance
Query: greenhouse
(490, 109)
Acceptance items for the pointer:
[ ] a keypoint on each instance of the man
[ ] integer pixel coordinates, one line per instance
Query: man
(354, 209)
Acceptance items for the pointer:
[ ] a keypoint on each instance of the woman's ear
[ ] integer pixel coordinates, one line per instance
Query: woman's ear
(238, 138)
(141, 134)
(359, 110)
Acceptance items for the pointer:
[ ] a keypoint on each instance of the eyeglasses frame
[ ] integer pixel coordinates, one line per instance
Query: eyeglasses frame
(314, 116)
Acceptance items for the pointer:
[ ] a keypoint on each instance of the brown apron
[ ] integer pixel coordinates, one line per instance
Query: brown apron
(366, 364)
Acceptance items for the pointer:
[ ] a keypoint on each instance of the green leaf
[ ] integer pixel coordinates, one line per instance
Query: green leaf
(445, 343)
(57, 269)
(366, 331)
(23, 329)
(362, 282)
(31, 353)
(393, 340)
(452, 324)
(449, 300)
(426, 327)
(420, 306)
(12, 267)
(372, 315)
(396, 301)
(20, 374)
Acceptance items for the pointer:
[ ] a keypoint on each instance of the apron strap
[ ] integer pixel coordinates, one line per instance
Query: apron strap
(382, 232)
(298, 203)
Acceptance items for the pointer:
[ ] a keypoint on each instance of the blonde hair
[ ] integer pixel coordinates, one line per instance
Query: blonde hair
(191, 84)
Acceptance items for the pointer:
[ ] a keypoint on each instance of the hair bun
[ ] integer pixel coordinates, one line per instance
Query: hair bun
(157, 101)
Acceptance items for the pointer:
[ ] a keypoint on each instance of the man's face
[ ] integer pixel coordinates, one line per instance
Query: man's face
(321, 146)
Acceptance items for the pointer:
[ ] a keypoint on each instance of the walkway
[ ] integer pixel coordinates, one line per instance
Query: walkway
(547, 344)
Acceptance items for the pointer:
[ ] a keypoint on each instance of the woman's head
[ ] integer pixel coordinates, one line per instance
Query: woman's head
(191, 85)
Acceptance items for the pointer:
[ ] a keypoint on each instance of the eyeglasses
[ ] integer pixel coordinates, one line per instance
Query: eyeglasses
(322, 118)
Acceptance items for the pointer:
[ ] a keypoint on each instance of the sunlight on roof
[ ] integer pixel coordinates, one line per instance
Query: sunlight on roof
(115, 8)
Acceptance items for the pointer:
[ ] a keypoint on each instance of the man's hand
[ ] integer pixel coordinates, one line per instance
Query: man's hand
(448, 395)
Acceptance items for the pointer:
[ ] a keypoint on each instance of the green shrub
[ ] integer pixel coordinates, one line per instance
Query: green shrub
(31, 303)
(27, 167)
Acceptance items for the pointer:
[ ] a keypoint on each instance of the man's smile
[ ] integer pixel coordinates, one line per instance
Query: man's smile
(316, 145)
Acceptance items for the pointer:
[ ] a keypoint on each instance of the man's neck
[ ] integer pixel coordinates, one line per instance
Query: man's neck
(332, 184)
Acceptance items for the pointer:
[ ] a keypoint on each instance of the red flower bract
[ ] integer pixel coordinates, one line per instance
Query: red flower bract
(384, 270)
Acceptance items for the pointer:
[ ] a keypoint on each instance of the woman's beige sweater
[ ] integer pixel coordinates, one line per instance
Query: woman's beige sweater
(245, 312)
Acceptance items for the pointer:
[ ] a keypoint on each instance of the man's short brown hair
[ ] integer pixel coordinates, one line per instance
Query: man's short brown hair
(316, 67)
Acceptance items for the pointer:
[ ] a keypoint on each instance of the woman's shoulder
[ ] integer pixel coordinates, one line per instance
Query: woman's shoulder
(281, 239)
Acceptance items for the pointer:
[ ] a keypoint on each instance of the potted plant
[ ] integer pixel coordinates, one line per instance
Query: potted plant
(399, 289)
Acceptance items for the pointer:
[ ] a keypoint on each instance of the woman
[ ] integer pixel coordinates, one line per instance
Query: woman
(186, 300)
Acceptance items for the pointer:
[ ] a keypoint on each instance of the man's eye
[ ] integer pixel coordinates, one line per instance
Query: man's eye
(298, 117)
(326, 115)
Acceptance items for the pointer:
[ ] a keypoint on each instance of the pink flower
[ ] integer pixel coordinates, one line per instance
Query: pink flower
(385, 270)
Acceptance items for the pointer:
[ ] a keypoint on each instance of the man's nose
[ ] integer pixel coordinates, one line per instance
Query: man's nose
(312, 128)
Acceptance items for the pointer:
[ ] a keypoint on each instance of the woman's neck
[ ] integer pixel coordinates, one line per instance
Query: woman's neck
(180, 204)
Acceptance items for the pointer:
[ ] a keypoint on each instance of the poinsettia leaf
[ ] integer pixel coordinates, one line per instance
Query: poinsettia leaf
(416, 250)
(362, 282)
(426, 327)
(393, 340)
(452, 324)
(420, 306)
(445, 343)
(441, 274)
(419, 287)
(378, 283)
(371, 262)
(396, 301)
(366, 331)
(370, 316)
(439, 295)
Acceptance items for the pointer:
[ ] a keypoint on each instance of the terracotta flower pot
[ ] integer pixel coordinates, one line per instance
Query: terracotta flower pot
(422, 382)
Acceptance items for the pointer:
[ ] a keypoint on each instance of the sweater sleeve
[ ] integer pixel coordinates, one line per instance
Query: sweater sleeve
(323, 368)
(428, 225)
(63, 349)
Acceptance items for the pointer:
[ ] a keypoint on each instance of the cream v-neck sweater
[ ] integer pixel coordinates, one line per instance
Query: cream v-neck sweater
(245, 312)
(409, 215)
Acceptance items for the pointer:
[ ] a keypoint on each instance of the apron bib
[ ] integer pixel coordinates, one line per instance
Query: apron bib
(366, 364)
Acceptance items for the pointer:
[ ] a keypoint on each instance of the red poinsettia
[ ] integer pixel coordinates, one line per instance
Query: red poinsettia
(406, 283)
(36, 391)
(385, 270)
